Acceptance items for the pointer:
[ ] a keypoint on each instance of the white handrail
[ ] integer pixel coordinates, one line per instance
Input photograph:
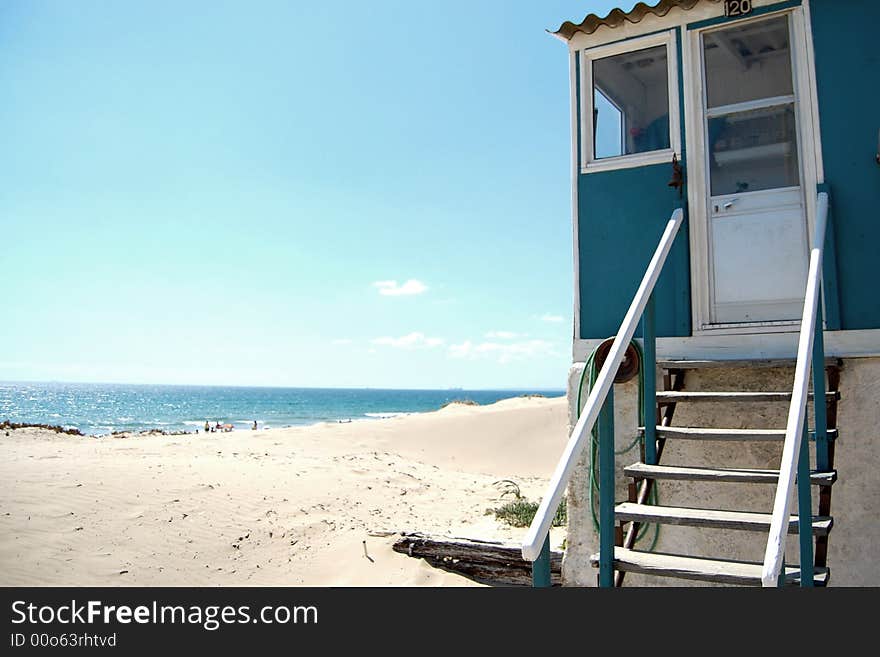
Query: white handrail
(534, 540)
(774, 555)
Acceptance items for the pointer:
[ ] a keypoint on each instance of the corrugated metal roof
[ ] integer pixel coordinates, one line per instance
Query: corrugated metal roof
(616, 17)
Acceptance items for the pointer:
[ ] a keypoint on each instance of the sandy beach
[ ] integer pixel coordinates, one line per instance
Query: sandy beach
(278, 507)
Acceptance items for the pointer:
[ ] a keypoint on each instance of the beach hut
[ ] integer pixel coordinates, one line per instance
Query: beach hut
(726, 348)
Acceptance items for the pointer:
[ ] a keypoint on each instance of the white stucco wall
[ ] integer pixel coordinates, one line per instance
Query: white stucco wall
(854, 545)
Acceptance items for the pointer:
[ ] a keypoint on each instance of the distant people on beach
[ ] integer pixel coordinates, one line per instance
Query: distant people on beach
(254, 428)
(218, 427)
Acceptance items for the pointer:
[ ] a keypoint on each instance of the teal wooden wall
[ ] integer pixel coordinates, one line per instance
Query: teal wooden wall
(621, 216)
(845, 36)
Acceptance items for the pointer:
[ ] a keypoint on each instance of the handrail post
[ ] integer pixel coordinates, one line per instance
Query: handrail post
(823, 457)
(805, 510)
(823, 454)
(541, 567)
(649, 367)
(606, 491)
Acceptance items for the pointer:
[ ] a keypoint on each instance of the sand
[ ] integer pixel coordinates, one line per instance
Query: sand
(278, 507)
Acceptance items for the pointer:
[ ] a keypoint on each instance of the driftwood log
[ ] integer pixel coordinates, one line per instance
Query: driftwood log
(487, 562)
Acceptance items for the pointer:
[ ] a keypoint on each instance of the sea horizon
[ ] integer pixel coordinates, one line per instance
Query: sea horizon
(291, 387)
(105, 408)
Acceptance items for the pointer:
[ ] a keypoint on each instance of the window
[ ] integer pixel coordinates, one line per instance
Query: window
(750, 107)
(631, 104)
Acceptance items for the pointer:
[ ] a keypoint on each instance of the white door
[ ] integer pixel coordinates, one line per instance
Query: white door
(757, 228)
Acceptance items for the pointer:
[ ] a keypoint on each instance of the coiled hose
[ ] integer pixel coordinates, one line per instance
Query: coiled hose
(592, 370)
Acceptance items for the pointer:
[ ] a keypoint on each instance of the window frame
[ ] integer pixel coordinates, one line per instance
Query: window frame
(588, 160)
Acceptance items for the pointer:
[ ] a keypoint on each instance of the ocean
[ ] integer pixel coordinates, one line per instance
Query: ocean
(99, 409)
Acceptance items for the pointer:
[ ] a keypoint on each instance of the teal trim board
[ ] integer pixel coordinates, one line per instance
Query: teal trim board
(849, 101)
(680, 58)
(682, 271)
(757, 11)
(621, 216)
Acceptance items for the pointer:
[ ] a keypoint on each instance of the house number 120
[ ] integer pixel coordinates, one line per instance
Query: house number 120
(737, 7)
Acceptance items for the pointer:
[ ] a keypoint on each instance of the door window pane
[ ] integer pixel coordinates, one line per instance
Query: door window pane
(748, 62)
(631, 103)
(754, 150)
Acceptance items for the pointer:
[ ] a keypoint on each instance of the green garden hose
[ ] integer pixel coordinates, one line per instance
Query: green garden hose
(590, 367)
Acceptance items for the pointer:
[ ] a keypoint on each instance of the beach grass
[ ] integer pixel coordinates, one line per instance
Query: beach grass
(520, 513)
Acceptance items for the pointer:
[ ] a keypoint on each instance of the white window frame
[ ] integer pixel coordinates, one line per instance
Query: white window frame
(589, 162)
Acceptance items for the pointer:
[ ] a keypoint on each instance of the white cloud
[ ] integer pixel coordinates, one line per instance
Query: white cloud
(547, 317)
(502, 352)
(392, 289)
(343, 341)
(413, 340)
(463, 350)
(502, 335)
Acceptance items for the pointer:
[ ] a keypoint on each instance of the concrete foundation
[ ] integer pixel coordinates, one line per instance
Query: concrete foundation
(854, 544)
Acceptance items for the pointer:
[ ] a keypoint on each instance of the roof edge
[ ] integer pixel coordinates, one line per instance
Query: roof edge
(617, 17)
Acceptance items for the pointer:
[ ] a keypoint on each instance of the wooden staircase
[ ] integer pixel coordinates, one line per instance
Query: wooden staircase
(630, 515)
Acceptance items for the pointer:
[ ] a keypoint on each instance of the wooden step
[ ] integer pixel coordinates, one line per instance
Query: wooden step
(699, 433)
(744, 520)
(732, 475)
(673, 364)
(668, 397)
(722, 571)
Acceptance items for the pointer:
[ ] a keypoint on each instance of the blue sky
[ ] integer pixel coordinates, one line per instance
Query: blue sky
(284, 193)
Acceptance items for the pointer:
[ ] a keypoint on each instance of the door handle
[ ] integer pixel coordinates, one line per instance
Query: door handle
(725, 206)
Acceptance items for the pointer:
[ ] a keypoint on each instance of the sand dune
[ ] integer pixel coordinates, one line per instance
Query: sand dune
(279, 507)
